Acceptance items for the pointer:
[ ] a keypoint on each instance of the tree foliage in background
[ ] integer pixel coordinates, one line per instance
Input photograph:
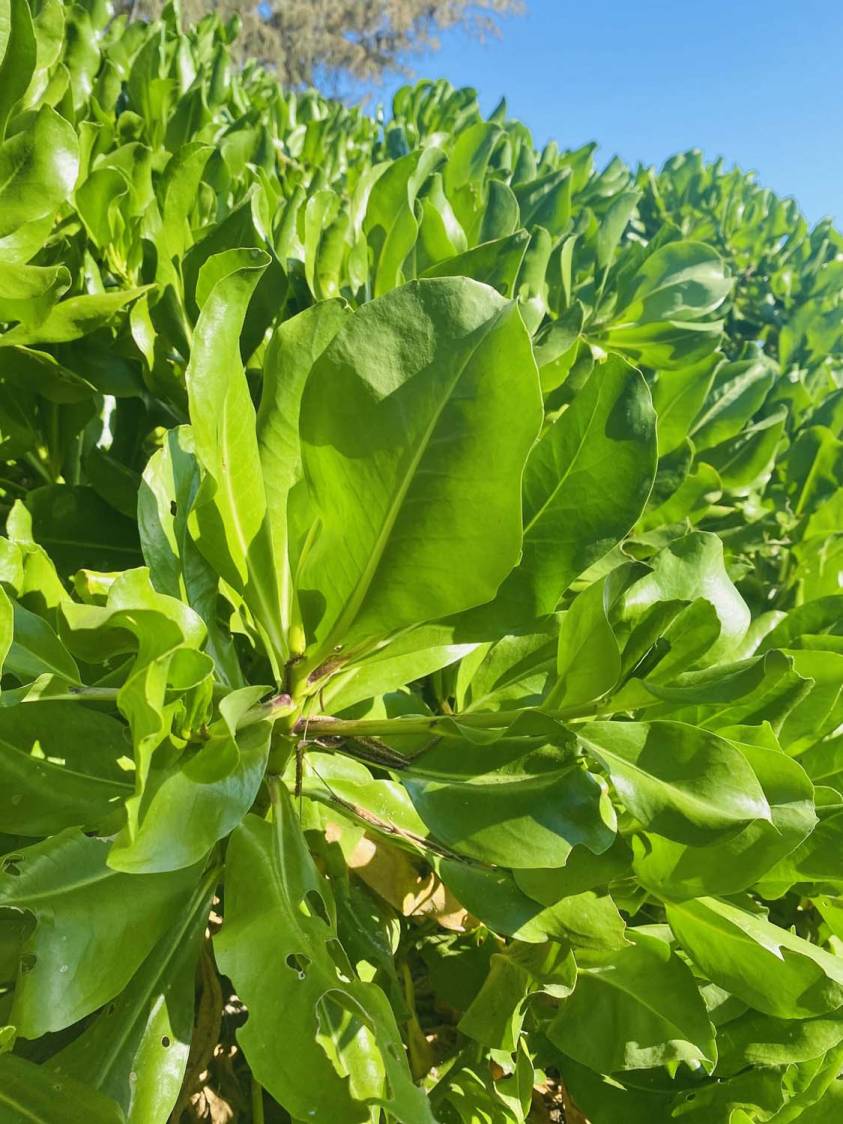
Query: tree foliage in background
(421, 625)
(305, 41)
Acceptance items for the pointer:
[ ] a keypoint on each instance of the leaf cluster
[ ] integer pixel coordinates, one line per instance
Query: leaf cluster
(420, 622)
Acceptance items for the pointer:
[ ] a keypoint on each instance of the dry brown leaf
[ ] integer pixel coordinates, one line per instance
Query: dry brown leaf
(392, 874)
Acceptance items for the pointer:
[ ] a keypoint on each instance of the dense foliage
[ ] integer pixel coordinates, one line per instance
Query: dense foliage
(420, 615)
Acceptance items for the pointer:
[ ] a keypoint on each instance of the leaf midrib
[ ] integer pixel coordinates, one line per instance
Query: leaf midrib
(67, 888)
(63, 769)
(6, 1098)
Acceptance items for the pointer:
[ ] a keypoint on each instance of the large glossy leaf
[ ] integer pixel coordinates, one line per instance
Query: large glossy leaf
(678, 397)
(509, 803)
(38, 168)
(295, 347)
(607, 434)
(28, 1092)
(633, 1009)
(663, 308)
(735, 863)
(396, 420)
(136, 1049)
(688, 568)
(349, 1054)
(167, 492)
(79, 530)
(496, 1013)
(189, 801)
(493, 895)
(588, 662)
(86, 944)
(58, 764)
(769, 967)
(72, 318)
(683, 783)
(231, 505)
(37, 650)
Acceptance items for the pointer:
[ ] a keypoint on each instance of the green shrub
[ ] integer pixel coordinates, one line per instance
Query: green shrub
(420, 614)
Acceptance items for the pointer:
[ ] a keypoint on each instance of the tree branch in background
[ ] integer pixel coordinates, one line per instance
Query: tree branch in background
(333, 41)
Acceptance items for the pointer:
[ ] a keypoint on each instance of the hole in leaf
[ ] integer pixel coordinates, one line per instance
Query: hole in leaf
(316, 906)
(299, 964)
(165, 1041)
(174, 508)
(9, 865)
(27, 963)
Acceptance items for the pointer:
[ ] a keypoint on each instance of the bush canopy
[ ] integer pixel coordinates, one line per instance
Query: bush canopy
(421, 619)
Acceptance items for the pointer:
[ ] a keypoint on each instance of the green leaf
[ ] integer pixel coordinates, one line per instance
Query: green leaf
(737, 862)
(493, 896)
(686, 784)
(58, 764)
(588, 663)
(17, 55)
(509, 803)
(278, 907)
(396, 420)
(7, 627)
(817, 858)
(38, 168)
(496, 263)
(80, 531)
(36, 650)
(738, 393)
(663, 306)
(29, 1092)
(688, 568)
(87, 944)
(295, 346)
(72, 318)
(613, 225)
(188, 802)
(28, 292)
(608, 433)
(633, 1009)
(766, 966)
(230, 508)
(678, 397)
(177, 568)
(136, 1049)
(39, 371)
(828, 1108)
(390, 224)
(496, 1013)
(754, 1039)
(583, 871)
(745, 460)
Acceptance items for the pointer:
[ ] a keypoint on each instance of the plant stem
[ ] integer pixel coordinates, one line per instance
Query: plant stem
(279, 707)
(36, 464)
(425, 724)
(13, 486)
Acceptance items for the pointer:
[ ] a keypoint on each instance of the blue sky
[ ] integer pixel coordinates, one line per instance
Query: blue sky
(759, 82)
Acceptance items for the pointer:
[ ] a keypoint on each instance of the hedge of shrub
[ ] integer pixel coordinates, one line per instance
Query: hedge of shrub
(421, 617)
